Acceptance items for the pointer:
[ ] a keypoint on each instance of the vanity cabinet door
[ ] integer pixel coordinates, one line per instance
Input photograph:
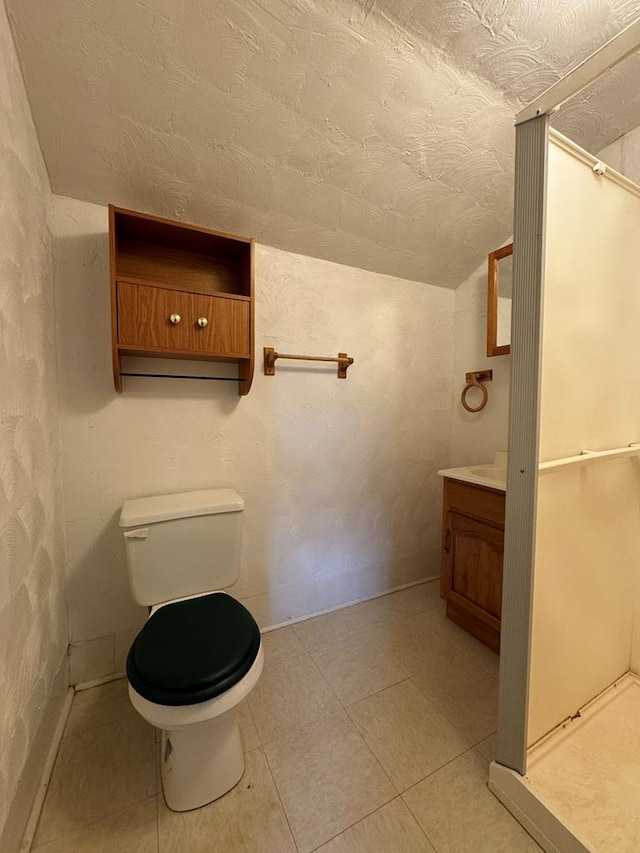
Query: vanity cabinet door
(476, 564)
(472, 557)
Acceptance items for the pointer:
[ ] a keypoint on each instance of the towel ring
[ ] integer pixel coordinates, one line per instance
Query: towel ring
(465, 391)
(476, 380)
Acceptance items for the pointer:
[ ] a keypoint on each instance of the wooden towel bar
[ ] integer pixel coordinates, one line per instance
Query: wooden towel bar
(270, 357)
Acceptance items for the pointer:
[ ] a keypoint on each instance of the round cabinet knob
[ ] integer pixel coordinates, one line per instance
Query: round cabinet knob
(202, 322)
(175, 319)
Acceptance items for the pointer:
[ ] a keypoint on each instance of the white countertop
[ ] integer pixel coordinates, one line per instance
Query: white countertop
(491, 476)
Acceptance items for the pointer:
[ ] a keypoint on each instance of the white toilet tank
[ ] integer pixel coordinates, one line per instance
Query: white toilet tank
(182, 544)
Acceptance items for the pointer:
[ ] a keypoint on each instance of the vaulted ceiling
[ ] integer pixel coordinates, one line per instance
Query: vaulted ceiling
(376, 133)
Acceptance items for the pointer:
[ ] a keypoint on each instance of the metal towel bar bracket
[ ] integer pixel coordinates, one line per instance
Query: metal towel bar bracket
(270, 357)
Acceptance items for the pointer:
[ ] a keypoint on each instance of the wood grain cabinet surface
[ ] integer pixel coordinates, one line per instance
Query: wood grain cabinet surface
(145, 320)
(227, 329)
(180, 291)
(472, 556)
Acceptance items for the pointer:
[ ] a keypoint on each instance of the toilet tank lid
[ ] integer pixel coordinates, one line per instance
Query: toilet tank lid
(180, 505)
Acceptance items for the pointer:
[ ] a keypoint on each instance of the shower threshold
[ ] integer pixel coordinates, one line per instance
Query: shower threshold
(582, 787)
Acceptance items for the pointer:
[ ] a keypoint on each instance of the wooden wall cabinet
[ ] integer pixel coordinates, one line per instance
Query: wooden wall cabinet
(472, 555)
(180, 291)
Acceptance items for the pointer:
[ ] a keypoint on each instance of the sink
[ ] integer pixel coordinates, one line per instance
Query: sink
(490, 472)
(491, 476)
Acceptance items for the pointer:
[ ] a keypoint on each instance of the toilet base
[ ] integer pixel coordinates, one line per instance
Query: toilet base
(201, 762)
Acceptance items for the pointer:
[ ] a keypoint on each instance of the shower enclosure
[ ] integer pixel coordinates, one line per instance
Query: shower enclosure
(568, 761)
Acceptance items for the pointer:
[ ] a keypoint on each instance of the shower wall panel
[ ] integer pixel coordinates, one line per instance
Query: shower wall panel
(587, 537)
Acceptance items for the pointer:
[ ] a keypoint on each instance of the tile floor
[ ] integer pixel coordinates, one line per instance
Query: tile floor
(370, 731)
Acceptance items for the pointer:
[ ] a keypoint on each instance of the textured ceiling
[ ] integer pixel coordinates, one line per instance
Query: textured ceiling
(376, 133)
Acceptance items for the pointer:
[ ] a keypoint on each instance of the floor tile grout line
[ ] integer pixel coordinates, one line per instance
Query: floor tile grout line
(375, 757)
(466, 752)
(81, 829)
(442, 713)
(355, 604)
(264, 743)
(344, 703)
(361, 819)
(355, 823)
(367, 747)
(344, 706)
(286, 659)
(377, 692)
(426, 834)
(253, 722)
(450, 721)
(158, 794)
(373, 640)
(431, 772)
(438, 769)
(378, 762)
(97, 726)
(326, 681)
(281, 801)
(482, 756)
(301, 728)
(372, 625)
(366, 627)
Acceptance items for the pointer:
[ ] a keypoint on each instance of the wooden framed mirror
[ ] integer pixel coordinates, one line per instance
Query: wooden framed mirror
(500, 281)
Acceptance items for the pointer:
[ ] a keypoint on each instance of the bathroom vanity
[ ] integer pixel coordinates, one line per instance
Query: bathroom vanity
(472, 549)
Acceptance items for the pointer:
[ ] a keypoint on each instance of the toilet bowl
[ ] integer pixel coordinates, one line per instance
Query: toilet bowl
(199, 654)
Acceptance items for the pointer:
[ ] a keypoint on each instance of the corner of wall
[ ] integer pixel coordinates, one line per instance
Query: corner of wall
(34, 628)
(475, 436)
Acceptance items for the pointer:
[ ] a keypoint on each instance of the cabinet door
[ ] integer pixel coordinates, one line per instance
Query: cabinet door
(473, 585)
(476, 563)
(227, 325)
(144, 320)
(446, 566)
(144, 317)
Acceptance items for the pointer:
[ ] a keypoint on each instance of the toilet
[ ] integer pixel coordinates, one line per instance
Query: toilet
(199, 653)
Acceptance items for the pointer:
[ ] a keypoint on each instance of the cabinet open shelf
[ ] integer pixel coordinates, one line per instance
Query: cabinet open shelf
(180, 291)
(179, 285)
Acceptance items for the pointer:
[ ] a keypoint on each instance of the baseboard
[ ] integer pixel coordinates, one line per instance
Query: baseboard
(47, 770)
(97, 682)
(304, 618)
(116, 676)
(20, 826)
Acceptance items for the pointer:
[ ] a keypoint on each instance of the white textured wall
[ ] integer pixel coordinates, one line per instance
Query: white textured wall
(587, 542)
(308, 125)
(376, 133)
(474, 437)
(338, 476)
(624, 155)
(33, 629)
